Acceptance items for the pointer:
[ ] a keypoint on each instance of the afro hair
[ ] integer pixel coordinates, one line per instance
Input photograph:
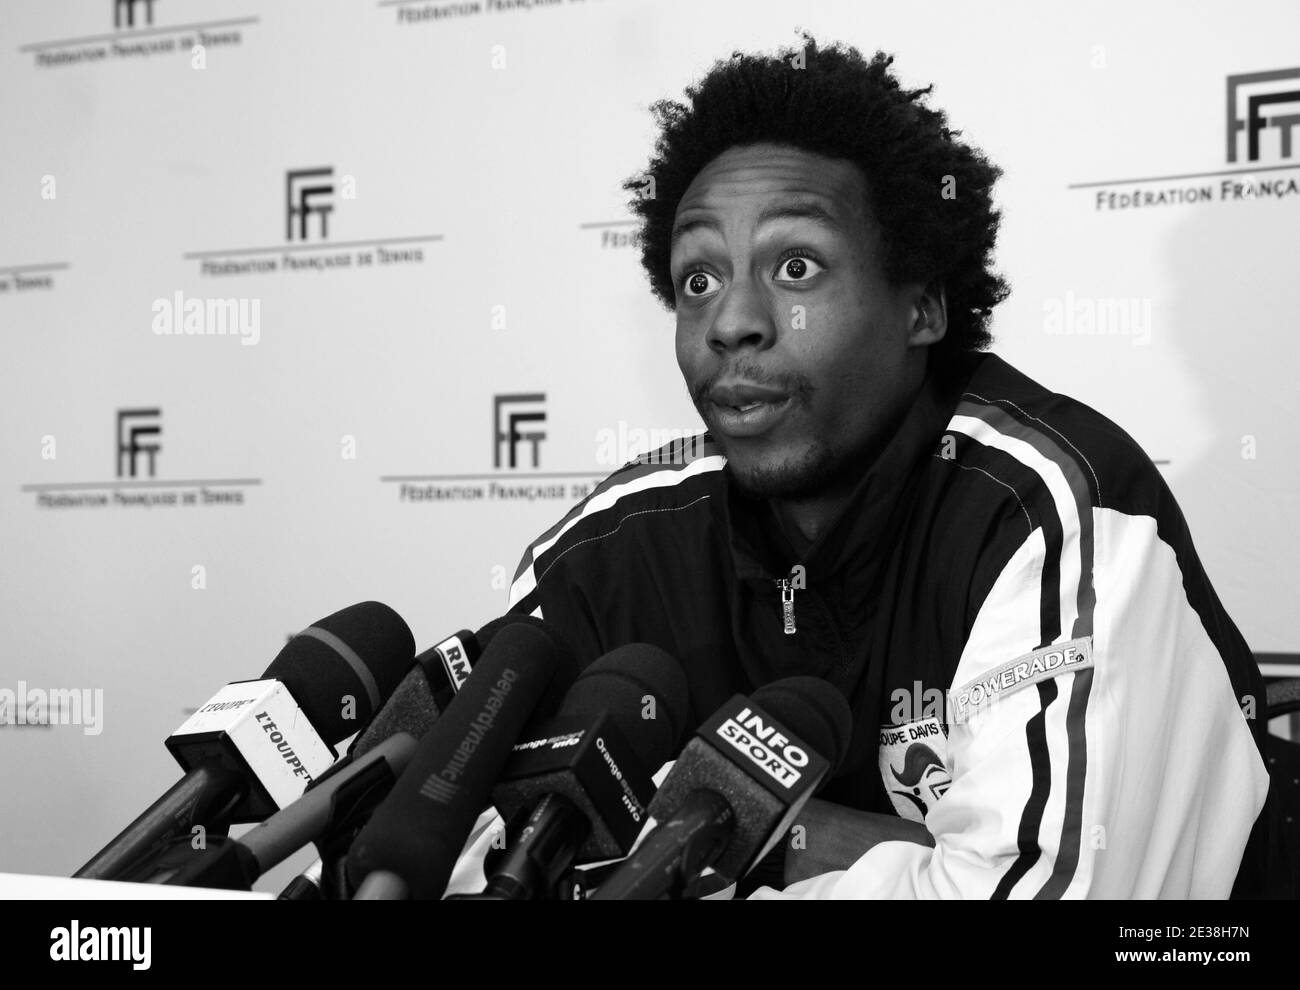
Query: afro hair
(930, 194)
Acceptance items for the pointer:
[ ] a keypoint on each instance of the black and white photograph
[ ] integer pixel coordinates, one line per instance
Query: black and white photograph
(648, 450)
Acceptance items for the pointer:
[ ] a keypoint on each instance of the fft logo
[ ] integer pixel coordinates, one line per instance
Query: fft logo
(132, 425)
(308, 191)
(1255, 93)
(506, 419)
(124, 13)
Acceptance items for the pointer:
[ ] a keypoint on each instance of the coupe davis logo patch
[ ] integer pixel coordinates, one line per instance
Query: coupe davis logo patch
(913, 766)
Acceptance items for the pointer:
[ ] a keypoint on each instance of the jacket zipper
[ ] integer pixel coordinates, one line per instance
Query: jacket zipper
(787, 604)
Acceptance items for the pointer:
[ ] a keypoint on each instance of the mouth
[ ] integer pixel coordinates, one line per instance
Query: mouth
(747, 410)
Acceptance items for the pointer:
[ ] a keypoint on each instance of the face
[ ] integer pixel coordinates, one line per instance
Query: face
(797, 352)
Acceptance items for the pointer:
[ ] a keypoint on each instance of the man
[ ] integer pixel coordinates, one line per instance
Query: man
(1049, 699)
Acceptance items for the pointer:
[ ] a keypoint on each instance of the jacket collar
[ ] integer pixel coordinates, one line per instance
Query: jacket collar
(854, 546)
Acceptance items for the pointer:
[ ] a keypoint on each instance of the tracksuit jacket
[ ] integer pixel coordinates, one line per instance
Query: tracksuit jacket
(1037, 665)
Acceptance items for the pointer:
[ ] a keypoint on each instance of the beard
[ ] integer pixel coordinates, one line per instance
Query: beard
(795, 470)
(812, 464)
(813, 471)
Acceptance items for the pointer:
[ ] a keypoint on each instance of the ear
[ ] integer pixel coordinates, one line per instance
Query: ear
(929, 316)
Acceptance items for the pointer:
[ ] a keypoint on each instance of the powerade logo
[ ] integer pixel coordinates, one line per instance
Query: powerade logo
(766, 746)
(1035, 666)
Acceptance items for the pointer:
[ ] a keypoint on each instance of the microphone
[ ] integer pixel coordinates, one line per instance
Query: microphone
(583, 778)
(337, 801)
(256, 745)
(737, 787)
(429, 686)
(415, 703)
(410, 844)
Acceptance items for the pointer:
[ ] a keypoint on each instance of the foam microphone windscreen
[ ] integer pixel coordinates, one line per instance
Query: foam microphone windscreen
(358, 653)
(791, 701)
(412, 707)
(566, 660)
(418, 831)
(759, 754)
(489, 629)
(619, 722)
(645, 691)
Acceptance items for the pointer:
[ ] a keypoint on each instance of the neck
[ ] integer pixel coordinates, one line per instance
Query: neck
(803, 520)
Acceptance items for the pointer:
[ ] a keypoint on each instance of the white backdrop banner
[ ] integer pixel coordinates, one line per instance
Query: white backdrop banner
(306, 303)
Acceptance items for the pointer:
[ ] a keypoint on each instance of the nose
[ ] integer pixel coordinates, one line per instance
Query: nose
(740, 320)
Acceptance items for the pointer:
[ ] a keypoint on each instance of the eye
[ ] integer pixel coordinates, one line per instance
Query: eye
(698, 283)
(797, 266)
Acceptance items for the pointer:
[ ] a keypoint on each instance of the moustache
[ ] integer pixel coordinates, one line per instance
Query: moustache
(798, 387)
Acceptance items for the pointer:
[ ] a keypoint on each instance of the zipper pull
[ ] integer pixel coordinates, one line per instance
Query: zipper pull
(787, 604)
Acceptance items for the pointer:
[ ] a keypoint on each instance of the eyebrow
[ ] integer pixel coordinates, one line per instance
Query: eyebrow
(788, 211)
